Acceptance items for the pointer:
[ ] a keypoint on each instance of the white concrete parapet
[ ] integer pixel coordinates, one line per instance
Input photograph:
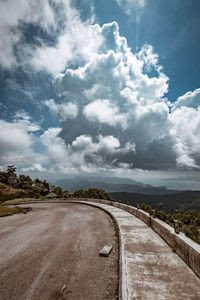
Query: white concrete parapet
(149, 269)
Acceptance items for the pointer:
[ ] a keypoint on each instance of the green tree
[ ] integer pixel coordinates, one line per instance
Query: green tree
(3, 177)
(57, 190)
(37, 181)
(67, 194)
(92, 193)
(11, 175)
(24, 182)
(46, 185)
(79, 194)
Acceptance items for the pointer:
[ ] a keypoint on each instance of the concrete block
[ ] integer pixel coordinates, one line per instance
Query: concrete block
(105, 251)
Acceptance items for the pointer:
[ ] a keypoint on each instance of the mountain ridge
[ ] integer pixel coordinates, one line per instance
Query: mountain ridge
(112, 184)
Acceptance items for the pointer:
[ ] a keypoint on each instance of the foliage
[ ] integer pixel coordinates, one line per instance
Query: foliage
(146, 208)
(18, 201)
(3, 177)
(21, 186)
(24, 182)
(67, 194)
(8, 196)
(183, 201)
(189, 221)
(28, 188)
(92, 193)
(11, 175)
(58, 191)
(9, 211)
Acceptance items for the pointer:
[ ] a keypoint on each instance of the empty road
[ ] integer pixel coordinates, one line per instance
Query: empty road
(53, 253)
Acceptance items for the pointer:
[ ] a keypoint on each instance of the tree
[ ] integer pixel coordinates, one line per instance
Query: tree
(37, 181)
(92, 193)
(46, 185)
(3, 177)
(57, 190)
(24, 182)
(67, 194)
(11, 175)
(80, 194)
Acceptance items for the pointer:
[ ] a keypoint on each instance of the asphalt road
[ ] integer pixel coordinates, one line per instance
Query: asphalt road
(53, 253)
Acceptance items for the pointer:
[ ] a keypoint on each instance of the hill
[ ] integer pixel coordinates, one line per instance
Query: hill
(182, 201)
(8, 192)
(112, 184)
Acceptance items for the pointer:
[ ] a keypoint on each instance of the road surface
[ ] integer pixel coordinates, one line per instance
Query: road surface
(53, 253)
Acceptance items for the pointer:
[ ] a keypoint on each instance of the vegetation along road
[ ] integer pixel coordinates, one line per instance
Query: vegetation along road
(53, 253)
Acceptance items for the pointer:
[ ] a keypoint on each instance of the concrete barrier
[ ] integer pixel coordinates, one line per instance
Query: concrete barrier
(187, 249)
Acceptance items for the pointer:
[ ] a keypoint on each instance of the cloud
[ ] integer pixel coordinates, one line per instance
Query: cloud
(113, 110)
(185, 129)
(65, 37)
(13, 137)
(15, 14)
(35, 168)
(190, 99)
(102, 110)
(56, 148)
(20, 143)
(64, 110)
(24, 120)
(16, 139)
(78, 42)
(117, 97)
(102, 152)
(84, 153)
(185, 119)
(14, 86)
(132, 7)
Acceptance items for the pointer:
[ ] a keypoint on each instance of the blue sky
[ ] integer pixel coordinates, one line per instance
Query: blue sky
(104, 87)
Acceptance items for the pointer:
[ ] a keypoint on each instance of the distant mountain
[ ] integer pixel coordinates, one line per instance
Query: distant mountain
(181, 201)
(112, 184)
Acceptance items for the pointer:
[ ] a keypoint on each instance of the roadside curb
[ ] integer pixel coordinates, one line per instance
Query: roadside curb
(144, 258)
(187, 249)
(126, 281)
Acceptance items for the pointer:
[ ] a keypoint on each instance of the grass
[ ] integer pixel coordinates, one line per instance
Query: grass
(9, 211)
(2, 187)
(18, 201)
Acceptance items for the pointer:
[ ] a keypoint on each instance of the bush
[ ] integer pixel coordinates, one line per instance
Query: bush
(92, 193)
(189, 221)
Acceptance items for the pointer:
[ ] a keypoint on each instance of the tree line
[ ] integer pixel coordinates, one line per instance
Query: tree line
(189, 221)
(26, 187)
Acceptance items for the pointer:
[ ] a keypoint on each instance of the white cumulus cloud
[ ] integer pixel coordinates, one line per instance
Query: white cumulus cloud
(14, 14)
(104, 112)
(190, 99)
(117, 97)
(64, 110)
(185, 129)
(16, 139)
(114, 112)
(35, 168)
(73, 38)
(56, 148)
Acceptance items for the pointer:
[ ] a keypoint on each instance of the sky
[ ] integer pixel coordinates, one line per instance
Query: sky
(101, 87)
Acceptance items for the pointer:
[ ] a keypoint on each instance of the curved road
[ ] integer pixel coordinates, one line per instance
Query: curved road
(53, 253)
